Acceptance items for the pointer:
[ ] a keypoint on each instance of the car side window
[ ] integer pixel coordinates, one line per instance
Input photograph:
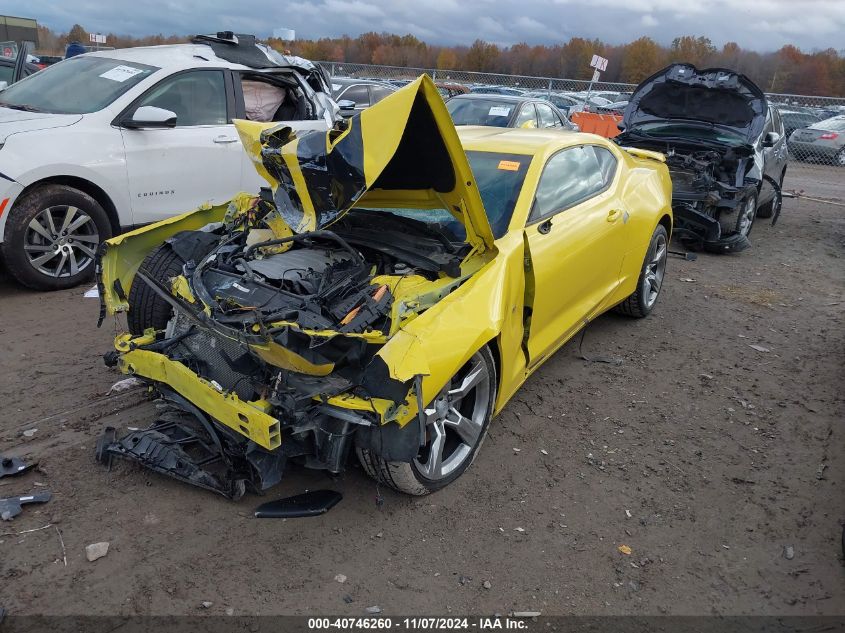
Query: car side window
(378, 93)
(777, 122)
(527, 117)
(358, 93)
(547, 116)
(198, 97)
(570, 177)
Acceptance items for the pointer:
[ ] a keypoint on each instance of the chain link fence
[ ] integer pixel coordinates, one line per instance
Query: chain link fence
(814, 126)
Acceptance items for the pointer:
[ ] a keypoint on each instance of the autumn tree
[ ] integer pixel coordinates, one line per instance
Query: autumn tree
(641, 58)
(482, 56)
(447, 59)
(76, 34)
(689, 49)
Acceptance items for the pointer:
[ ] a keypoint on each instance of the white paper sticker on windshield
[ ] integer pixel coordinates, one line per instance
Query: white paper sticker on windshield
(336, 87)
(500, 111)
(121, 73)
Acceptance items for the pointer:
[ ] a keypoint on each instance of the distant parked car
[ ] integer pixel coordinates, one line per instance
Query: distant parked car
(794, 119)
(497, 90)
(506, 111)
(613, 108)
(823, 141)
(354, 95)
(7, 70)
(565, 103)
(449, 89)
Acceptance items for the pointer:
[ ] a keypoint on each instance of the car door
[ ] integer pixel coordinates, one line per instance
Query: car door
(575, 236)
(774, 155)
(176, 169)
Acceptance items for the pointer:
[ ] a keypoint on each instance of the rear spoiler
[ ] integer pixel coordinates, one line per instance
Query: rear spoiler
(645, 153)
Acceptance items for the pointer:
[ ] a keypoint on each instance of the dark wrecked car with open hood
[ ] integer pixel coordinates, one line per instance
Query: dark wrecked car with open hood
(724, 146)
(389, 293)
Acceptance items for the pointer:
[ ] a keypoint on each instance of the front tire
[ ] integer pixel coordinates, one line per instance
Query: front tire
(52, 237)
(456, 425)
(146, 308)
(641, 302)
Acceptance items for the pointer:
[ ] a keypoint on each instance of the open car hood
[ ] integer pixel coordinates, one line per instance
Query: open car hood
(681, 92)
(402, 151)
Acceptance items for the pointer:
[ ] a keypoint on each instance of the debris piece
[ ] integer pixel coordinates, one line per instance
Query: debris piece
(308, 504)
(487, 584)
(519, 529)
(525, 614)
(464, 579)
(206, 604)
(759, 348)
(789, 552)
(544, 451)
(516, 450)
(30, 432)
(96, 550)
(230, 611)
(628, 513)
(124, 385)
(11, 466)
(62, 543)
(373, 609)
(10, 507)
(340, 578)
(624, 549)
(92, 293)
(688, 280)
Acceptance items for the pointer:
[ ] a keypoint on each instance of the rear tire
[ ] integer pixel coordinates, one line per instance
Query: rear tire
(146, 308)
(641, 302)
(457, 425)
(52, 237)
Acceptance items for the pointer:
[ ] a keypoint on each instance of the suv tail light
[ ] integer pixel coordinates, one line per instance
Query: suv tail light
(829, 136)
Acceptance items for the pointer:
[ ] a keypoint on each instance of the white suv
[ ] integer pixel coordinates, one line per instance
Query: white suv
(105, 141)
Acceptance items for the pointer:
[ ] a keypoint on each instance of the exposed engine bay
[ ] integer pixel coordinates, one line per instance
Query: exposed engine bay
(709, 184)
(293, 322)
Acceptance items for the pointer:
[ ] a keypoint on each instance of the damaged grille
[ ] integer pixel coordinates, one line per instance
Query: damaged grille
(214, 357)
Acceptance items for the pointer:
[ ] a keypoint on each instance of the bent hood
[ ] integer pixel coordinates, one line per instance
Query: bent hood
(681, 92)
(403, 150)
(16, 121)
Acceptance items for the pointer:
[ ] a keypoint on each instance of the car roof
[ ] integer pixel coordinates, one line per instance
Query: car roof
(195, 55)
(519, 140)
(498, 97)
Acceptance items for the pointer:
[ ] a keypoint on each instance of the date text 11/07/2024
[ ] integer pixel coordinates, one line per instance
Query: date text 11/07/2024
(422, 623)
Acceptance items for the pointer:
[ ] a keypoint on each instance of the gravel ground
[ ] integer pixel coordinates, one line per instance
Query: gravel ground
(706, 457)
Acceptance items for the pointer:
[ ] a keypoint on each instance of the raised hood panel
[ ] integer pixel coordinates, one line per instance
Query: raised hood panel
(681, 92)
(404, 145)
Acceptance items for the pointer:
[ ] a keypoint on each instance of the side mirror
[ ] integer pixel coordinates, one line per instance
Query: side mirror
(346, 105)
(3, 85)
(151, 117)
(770, 139)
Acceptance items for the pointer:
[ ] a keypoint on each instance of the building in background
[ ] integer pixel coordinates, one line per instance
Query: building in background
(13, 31)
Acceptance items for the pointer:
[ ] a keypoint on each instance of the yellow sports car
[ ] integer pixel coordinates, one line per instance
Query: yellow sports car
(387, 294)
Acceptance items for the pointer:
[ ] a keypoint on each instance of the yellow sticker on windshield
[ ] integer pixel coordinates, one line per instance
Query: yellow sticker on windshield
(509, 165)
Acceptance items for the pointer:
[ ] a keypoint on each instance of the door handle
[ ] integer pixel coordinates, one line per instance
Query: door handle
(225, 139)
(545, 227)
(614, 215)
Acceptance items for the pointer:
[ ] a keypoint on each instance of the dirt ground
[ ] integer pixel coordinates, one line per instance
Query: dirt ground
(705, 456)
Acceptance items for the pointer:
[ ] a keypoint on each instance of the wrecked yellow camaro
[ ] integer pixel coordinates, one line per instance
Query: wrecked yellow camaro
(388, 293)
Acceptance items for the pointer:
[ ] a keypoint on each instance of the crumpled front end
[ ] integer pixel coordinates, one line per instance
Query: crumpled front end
(285, 320)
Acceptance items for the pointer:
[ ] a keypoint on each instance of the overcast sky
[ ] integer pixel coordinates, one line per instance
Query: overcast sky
(756, 24)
